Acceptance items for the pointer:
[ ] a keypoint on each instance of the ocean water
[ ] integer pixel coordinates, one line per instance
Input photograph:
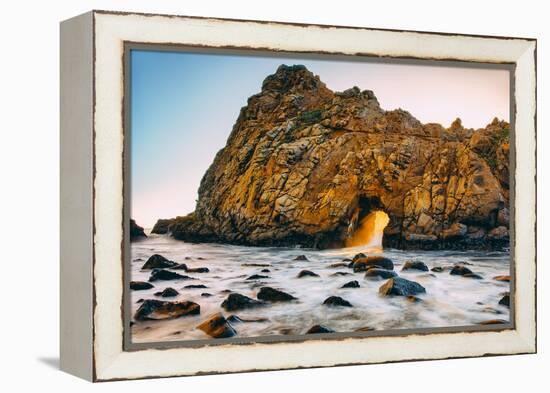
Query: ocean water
(449, 300)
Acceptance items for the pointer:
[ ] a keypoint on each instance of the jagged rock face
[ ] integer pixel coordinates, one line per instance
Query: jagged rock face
(304, 164)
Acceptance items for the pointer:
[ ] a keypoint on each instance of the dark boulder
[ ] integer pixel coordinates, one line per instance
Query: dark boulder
(336, 301)
(166, 275)
(363, 264)
(318, 329)
(505, 301)
(301, 258)
(167, 292)
(157, 261)
(307, 273)
(217, 326)
(380, 273)
(351, 284)
(256, 277)
(136, 232)
(265, 271)
(460, 270)
(206, 294)
(159, 309)
(180, 266)
(140, 285)
(195, 286)
(236, 301)
(473, 275)
(438, 269)
(337, 274)
(358, 256)
(398, 286)
(274, 295)
(198, 270)
(415, 265)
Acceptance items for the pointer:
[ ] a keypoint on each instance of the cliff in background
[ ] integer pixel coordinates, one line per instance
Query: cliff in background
(303, 165)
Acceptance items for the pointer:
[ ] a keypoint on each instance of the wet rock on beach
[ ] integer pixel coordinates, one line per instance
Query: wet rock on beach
(158, 309)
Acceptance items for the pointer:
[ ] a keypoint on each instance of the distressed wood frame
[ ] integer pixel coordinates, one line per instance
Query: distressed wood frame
(92, 194)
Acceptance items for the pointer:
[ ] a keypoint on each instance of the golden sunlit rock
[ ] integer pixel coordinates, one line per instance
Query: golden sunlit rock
(370, 231)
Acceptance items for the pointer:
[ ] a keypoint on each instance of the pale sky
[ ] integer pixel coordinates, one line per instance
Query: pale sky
(183, 106)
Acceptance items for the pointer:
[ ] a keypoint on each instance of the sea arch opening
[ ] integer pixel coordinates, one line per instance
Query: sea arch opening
(367, 224)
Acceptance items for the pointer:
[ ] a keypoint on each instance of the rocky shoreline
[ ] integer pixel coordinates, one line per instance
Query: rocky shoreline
(228, 319)
(304, 165)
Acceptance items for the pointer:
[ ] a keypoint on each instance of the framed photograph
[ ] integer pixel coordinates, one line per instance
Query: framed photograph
(248, 195)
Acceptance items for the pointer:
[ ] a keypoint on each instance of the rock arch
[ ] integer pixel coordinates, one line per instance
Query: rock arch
(303, 161)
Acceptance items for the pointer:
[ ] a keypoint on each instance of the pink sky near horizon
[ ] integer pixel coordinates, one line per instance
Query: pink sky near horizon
(166, 186)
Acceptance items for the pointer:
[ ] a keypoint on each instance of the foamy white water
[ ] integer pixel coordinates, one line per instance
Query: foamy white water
(449, 300)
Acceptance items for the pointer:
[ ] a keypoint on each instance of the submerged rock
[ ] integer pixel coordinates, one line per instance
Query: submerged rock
(265, 271)
(195, 286)
(363, 264)
(318, 329)
(158, 309)
(505, 278)
(167, 292)
(414, 299)
(274, 295)
(217, 326)
(236, 301)
(157, 261)
(140, 285)
(415, 265)
(338, 274)
(473, 275)
(398, 286)
(307, 273)
(364, 329)
(256, 277)
(136, 232)
(180, 266)
(505, 301)
(351, 284)
(438, 269)
(338, 265)
(336, 301)
(198, 270)
(236, 319)
(459, 270)
(301, 258)
(166, 275)
(206, 294)
(380, 273)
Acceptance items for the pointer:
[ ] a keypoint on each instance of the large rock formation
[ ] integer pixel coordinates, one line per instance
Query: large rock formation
(303, 165)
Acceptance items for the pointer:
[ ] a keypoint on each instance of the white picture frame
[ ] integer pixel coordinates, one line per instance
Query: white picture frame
(92, 195)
